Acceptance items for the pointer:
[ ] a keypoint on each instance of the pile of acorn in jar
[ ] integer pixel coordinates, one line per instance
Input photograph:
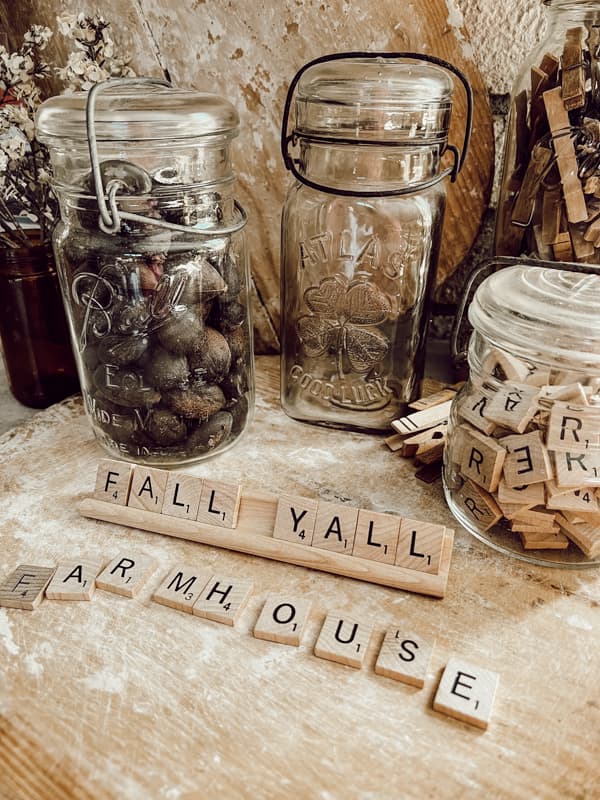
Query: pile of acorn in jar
(161, 321)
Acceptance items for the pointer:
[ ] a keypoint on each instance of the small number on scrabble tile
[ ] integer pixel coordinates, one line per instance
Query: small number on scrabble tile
(148, 486)
(335, 527)
(295, 519)
(223, 599)
(219, 503)
(344, 640)
(113, 480)
(282, 619)
(467, 693)
(126, 574)
(404, 656)
(24, 587)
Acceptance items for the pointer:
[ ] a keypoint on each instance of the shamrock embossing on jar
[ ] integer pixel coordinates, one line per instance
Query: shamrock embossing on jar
(153, 266)
(360, 232)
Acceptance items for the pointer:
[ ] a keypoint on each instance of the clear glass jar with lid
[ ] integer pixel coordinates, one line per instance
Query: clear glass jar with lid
(549, 204)
(361, 231)
(153, 266)
(522, 461)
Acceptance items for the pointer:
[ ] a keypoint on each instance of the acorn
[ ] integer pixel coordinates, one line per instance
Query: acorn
(166, 371)
(199, 404)
(165, 427)
(212, 433)
(203, 282)
(121, 350)
(210, 359)
(181, 333)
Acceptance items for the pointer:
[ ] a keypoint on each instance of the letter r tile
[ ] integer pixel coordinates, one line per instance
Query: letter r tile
(295, 519)
(467, 693)
(126, 574)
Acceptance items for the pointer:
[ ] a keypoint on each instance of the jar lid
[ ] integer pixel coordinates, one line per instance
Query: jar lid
(395, 99)
(141, 113)
(547, 313)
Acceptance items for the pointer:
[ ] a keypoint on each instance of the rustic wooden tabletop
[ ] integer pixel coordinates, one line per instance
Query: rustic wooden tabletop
(120, 698)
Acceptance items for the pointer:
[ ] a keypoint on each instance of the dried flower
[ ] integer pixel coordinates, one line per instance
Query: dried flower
(25, 171)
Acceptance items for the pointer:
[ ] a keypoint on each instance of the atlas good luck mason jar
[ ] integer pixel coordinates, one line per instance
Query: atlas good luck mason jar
(361, 232)
(153, 266)
(549, 205)
(522, 461)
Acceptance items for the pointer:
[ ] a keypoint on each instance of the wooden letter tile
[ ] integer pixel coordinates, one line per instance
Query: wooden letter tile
(472, 409)
(481, 458)
(126, 574)
(24, 587)
(404, 656)
(219, 504)
(534, 540)
(478, 506)
(182, 496)
(113, 480)
(505, 366)
(467, 693)
(223, 599)
(527, 461)
(335, 527)
(583, 499)
(376, 536)
(420, 545)
(344, 640)
(586, 535)
(573, 428)
(577, 469)
(513, 406)
(282, 620)
(74, 580)
(532, 495)
(295, 520)
(148, 488)
(182, 587)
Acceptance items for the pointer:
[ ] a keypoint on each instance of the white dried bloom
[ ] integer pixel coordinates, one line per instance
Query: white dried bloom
(18, 116)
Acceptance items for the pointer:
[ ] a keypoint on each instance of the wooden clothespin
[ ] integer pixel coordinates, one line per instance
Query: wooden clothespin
(539, 164)
(573, 70)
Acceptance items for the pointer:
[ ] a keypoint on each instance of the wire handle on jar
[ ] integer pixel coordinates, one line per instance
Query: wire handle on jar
(459, 155)
(460, 356)
(109, 220)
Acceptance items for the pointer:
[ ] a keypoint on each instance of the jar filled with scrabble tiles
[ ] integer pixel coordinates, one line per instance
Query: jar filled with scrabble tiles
(153, 264)
(522, 462)
(549, 205)
(361, 232)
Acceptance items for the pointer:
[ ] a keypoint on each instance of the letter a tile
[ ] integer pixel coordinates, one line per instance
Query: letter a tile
(467, 693)
(282, 619)
(74, 580)
(223, 599)
(126, 574)
(404, 656)
(344, 640)
(24, 587)
(295, 519)
(335, 527)
(148, 489)
(182, 587)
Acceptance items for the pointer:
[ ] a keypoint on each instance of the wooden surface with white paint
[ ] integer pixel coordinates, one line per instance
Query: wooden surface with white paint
(126, 699)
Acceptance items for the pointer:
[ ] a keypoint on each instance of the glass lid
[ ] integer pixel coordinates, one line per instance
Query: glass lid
(375, 98)
(138, 113)
(552, 314)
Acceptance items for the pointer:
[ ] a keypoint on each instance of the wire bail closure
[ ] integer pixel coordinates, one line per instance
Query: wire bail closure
(291, 163)
(110, 217)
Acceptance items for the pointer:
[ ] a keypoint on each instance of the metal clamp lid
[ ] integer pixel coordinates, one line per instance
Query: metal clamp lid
(459, 155)
(109, 221)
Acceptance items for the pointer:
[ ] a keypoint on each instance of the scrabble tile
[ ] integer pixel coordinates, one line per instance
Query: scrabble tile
(467, 693)
(504, 366)
(223, 599)
(527, 461)
(404, 656)
(513, 406)
(74, 580)
(126, 574)
(431, 400)
(481, 458)
(182, 587)
(478, 506)
(472, 409)
(543, 541)
(530, 495)
(148, 488)
(344, 640)
(573, 428)
(540, 520)
(583, 499)
(113, 480)
(420, 545)
(295, 519)
(573, 470)
(24, 587)
(335, 527)
(283, 619)
(585, 535)
(182, 496)
(219, 503)
(376, 536)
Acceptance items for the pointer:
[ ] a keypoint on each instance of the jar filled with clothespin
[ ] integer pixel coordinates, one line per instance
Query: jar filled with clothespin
(549, 204)
(153, 266)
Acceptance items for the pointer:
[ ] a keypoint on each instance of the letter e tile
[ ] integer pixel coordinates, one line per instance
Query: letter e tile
(343, 640)
(467, 693)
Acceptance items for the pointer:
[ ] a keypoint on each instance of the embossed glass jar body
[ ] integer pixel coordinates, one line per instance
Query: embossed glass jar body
(522, 460)
(358, 259)
(159, 313)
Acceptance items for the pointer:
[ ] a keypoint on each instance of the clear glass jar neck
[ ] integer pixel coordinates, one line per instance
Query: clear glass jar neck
(368, 167)
(562, 13)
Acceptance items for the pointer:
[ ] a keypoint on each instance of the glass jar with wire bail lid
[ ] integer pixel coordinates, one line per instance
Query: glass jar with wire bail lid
(522, 460)
(361, 232)
(153, 266)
